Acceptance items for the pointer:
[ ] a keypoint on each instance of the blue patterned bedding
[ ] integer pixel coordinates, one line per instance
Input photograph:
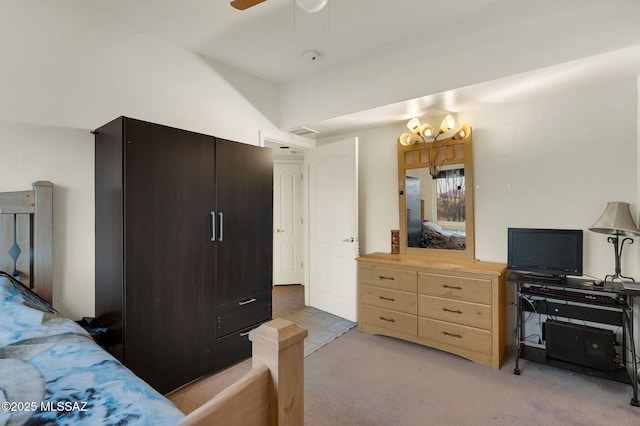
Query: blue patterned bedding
(52, 373)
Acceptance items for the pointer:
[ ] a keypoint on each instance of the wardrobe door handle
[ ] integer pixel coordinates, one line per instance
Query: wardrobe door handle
(246, 302)
(213, 226)
(221, 216)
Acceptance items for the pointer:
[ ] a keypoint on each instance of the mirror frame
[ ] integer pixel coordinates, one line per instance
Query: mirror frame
(415, 156)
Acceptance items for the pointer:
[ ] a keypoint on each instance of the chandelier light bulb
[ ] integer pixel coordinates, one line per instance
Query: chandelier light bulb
(426, 130)
(463, 132)
(407, 139)
(447, 124)
(414, 125)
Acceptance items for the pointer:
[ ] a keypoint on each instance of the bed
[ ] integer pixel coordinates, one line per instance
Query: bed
(434, 236)
(53, 373)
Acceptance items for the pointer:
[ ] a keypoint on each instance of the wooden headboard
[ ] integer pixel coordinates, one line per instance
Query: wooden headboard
(26, 244)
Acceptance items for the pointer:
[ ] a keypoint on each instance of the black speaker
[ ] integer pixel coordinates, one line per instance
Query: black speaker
(580, 344)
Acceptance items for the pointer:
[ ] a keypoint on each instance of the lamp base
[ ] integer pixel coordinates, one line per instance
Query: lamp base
(617, 250)
(618, 276)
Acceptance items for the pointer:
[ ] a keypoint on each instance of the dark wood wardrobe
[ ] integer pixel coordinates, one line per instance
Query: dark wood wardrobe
(183, 248)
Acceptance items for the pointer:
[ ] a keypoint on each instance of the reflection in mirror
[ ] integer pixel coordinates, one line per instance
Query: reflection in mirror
(436, 208)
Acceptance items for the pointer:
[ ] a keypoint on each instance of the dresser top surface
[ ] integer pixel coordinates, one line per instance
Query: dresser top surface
(443, 263)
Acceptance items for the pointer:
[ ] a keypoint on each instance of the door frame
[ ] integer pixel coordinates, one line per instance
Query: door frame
(302, 144)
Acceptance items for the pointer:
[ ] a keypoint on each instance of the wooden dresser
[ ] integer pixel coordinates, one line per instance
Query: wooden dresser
(455, 305)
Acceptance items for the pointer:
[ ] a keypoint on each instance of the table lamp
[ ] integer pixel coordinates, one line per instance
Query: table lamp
(617, 221)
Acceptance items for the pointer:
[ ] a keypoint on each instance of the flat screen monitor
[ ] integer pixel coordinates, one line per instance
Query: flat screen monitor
(545, 252)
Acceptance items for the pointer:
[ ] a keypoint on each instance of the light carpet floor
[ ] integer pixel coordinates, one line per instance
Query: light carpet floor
(368, 380)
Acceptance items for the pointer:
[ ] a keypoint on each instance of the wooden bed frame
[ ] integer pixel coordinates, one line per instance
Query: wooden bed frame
(272, 393)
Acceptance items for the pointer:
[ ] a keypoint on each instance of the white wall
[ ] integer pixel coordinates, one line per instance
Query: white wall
(555, 162)
(65, 157)
(549, 162)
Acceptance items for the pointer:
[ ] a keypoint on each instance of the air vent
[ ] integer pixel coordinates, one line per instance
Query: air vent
(303, 131)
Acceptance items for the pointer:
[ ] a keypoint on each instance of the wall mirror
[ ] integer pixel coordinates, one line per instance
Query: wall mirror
(436, 203)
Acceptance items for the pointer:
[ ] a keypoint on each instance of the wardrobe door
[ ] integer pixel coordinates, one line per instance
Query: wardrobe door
(244, 198)
(169, 255)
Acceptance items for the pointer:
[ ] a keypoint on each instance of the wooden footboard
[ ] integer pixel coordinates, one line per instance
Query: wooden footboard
(272, 393)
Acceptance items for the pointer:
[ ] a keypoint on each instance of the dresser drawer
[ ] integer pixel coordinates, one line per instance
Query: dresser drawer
(392, 320)
(471, 314)
(243, 313)
(394, 279)
(461, 336)
(389, 299)
(453, 287)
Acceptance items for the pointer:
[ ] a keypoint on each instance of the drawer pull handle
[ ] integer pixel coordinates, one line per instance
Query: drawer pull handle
(246, 302)
(387, 319)
(457, 336)
(452, 287)
(390, 299)
(244, 334)
(452, 311)
(382, 277)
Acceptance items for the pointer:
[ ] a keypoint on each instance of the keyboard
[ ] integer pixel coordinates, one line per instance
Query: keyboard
(573, 296)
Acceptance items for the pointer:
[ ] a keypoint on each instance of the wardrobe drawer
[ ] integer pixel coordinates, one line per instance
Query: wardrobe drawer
(453, 287)
(233, 347)
(471, 314)
(392, 320)
(243, 313)
(394, 279)
(389, 299)
(461, 336)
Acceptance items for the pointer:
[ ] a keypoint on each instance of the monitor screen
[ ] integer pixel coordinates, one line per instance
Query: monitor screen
(545, 252)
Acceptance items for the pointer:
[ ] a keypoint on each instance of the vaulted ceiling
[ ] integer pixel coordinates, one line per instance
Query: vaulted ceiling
(383, 60)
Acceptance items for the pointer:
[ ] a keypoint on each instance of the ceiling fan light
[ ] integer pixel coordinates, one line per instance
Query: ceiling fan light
(312, 6)
(447, 124)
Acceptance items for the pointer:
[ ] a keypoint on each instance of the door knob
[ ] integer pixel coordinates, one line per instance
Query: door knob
(279, 230)
(349, 240)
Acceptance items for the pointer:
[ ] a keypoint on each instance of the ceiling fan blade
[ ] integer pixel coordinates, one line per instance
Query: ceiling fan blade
(245, 4)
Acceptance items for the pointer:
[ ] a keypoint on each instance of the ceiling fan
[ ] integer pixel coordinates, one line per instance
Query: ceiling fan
(310, 6)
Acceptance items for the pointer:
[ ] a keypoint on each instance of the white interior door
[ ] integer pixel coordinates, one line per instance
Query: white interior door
(333, 227)
(287, 223)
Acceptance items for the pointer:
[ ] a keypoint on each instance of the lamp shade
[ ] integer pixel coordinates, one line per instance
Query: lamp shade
(426, 130)
(616, 220)
(463, 132)
(447, 124)
(407, 139)
(414, 125)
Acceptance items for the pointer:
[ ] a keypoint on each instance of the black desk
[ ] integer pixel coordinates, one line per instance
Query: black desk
(577, 299)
